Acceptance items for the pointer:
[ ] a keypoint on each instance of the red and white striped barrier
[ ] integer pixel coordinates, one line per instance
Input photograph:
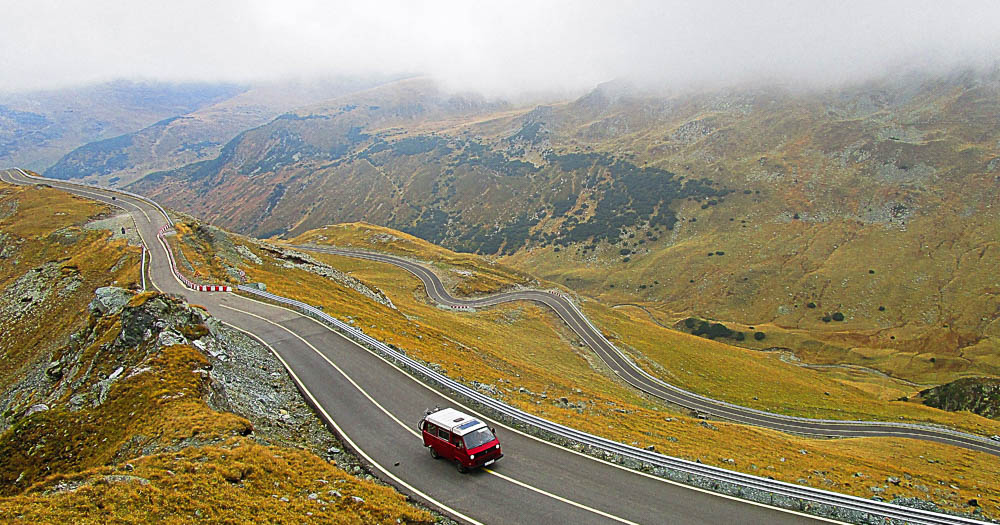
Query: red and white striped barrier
(212, 288)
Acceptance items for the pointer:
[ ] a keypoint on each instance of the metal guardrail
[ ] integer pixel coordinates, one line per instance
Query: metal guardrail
(746, 486)
(760, 489)
(895, 424)
(595, 332)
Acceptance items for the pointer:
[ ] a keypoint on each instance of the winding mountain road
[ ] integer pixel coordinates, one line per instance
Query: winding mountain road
(629, 372)
(374, 406)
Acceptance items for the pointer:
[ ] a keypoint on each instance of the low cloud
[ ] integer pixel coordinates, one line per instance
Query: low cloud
(502, 48)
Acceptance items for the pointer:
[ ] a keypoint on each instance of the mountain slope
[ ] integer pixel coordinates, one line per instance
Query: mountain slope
(755, 206)
(37, 128)
(191, 137)
(137, 407)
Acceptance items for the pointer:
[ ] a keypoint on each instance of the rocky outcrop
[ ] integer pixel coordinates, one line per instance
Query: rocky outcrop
(979, 395)
(302, 261)
(109, 300)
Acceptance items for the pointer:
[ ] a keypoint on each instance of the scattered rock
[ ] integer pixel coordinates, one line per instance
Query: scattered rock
(36, 408)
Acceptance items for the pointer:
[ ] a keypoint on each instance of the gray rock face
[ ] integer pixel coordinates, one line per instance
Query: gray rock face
(303, 261)
(109, 300)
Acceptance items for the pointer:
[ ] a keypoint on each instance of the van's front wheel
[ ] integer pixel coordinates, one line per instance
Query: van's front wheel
(461, 468)
(434, 453)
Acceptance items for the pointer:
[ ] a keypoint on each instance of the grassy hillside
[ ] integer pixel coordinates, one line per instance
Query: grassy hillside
(109, 411)
(856, 226)
(524, 355)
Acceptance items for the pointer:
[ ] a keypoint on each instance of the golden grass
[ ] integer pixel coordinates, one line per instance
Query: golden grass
(762, 380)
(238, 482)
(465, 274)
(934, 279)
(92, 464)
(523, 345)
(48, 222)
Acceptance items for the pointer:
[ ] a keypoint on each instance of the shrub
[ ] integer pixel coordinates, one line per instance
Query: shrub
(713, 330)
(624, 251)
(720, 253)
(837, 316)
(626, 259)
(881, 308)
(825, 319)
(759, 336)
(740, 336)
(690, 322)
(810, 304)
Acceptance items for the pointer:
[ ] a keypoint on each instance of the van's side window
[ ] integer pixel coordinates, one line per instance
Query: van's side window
(431, 429)
(444, 434)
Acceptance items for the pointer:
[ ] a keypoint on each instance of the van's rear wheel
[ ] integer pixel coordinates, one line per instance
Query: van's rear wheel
(434, 453)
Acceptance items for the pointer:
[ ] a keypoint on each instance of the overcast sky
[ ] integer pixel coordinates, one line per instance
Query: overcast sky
(500, 48)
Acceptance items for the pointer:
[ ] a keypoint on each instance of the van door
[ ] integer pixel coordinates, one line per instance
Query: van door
(447, 450)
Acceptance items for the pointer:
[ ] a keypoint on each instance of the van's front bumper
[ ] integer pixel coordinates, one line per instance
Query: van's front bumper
(486, 461)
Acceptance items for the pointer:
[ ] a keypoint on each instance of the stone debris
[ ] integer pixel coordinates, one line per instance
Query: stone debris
(303, 261)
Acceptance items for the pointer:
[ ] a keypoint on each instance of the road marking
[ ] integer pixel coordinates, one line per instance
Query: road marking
(414, 432)
(337, 427)
(638, 378)
(535, 438)
(560, 498)
(426, 386)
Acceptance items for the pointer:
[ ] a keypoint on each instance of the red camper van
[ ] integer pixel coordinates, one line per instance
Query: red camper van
(461, 438)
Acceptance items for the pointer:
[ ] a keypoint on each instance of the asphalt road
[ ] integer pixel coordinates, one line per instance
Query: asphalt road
(628, 371)
(374, 408)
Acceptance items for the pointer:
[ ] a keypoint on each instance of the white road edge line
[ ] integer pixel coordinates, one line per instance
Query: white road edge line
(340, 431)
(421, 383)
(414, 433)
(538, 439)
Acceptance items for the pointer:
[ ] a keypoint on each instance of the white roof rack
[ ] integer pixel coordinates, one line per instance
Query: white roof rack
(455, 421)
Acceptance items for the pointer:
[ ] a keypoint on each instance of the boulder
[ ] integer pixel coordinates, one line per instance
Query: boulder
(109, 300)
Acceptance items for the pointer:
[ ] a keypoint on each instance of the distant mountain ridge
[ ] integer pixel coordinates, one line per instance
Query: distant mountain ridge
(37, 128)
(873, 203)
(191, 136)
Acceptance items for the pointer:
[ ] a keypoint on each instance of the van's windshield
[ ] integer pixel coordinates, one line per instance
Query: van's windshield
(478, 438)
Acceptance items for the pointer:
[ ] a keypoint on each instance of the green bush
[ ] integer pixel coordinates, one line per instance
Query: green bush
(837, 316)
(759, 336)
